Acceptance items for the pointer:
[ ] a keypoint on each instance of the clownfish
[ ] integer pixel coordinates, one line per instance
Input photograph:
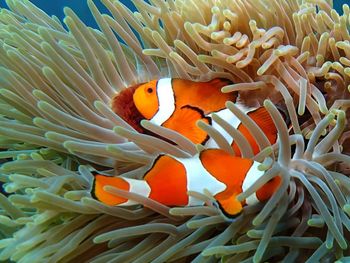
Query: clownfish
(170, 178)
(178, 104)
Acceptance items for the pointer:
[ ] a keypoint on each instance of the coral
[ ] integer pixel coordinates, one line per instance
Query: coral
(57, 126)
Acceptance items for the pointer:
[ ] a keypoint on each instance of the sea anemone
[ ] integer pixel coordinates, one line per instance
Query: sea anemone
(57, 126)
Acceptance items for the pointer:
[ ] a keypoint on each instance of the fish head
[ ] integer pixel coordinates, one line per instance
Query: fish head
(146, 99)
(124, 106)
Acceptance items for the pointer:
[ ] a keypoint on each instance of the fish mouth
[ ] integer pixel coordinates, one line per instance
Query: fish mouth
(123, 105)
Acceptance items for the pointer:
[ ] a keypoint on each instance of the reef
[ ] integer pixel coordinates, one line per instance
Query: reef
(57, 126)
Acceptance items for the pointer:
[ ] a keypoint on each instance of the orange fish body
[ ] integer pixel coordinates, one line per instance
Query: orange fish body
(169, 179)
(178, 104)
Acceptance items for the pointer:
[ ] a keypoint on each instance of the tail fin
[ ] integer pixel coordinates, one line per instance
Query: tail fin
(262, 117)
(132, 185)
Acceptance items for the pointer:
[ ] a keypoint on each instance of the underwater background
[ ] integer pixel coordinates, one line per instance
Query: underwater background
(58, 126)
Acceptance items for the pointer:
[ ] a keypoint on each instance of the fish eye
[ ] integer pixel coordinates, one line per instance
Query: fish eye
(149, 90)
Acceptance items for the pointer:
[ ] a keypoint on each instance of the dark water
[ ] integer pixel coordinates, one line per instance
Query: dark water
(55, 7)
(339, 3)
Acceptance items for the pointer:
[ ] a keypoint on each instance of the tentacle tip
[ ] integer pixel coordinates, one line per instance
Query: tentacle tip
(90, 3)
(67, 10)
(267, 103)
(207, 253)
(144, 123)
(346, 209)
(229, 104)
(201, 124)
(225, 89)
(98, 104)
(67, 20)
(42, 104)
(343, 245)
(117, 129)
(97, 240)
(67, 144)
(256, 222)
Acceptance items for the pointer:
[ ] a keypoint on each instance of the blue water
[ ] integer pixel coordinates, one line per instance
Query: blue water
(54, 7)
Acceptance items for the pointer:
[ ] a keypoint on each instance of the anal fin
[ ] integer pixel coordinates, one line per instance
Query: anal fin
(98, 193)
(230, 206)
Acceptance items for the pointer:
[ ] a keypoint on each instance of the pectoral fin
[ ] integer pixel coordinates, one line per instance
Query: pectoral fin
(184, 122)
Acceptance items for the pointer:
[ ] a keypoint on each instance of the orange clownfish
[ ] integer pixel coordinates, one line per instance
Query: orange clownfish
(169, 179)
(178, 104)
